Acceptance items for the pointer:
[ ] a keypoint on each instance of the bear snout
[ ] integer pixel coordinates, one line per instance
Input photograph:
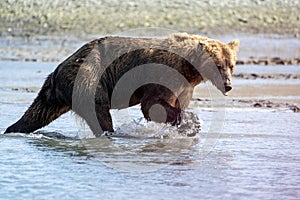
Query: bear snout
(227, 88)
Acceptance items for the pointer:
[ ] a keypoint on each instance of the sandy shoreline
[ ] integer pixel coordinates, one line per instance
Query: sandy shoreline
(280, 97)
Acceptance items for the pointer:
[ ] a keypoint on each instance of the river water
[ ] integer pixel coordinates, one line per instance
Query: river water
(255, 153)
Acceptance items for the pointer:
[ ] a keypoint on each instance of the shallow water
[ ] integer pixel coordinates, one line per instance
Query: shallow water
(256, 155)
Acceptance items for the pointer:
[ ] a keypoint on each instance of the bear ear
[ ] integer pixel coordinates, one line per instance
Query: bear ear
(234, 45)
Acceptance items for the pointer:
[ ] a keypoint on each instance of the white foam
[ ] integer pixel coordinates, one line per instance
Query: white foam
(141, 128)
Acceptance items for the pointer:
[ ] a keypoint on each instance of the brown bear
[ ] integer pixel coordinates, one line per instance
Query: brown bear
(118, 72)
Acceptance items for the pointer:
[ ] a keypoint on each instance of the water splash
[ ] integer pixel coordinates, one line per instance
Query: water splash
(24, 135)
(145, 146)
(141, 128)
(40, 135)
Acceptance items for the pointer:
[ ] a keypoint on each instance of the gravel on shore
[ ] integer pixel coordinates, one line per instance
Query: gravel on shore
(49, 31)
(81, 17)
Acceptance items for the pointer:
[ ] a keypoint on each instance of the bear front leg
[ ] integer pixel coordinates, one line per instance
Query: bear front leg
(173, 114)
(104, 119)
(160, 111)
(99, 119)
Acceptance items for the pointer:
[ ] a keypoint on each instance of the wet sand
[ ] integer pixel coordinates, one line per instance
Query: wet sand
(274, 88)
(259, 49)
(272, 97)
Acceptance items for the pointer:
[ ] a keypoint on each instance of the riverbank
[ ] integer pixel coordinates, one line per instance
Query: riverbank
(258, 49)
(86, 17)
(49, 31)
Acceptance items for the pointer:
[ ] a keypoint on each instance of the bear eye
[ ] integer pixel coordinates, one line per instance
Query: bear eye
(218, 65)
(231, 68)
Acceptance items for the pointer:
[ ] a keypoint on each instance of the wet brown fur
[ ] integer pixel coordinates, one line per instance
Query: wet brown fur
(112, 57)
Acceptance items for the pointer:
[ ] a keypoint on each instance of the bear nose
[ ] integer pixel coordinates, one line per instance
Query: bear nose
(228, 88)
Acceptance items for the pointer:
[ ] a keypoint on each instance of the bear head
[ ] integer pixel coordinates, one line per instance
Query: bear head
(213, 59)
(221, 63)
